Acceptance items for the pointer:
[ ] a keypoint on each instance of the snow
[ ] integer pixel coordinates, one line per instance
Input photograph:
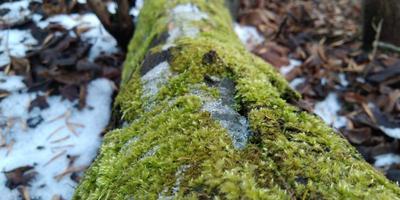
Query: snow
(292, 65)
(392, 132)
(16, 43)
(18, 12)
(248, 35)
(112, 7)
(328, 109)
(64, 130)
(343, 80)
(386, 160)
(101, 40)
(136, 10)
(11, 83)
(181, 16)
(296, 82)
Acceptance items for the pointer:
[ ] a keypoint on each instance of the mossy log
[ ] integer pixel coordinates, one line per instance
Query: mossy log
(205, 119)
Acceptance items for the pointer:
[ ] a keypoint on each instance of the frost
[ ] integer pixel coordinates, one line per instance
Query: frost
(328, 109)
(248, 35)
(64, 130)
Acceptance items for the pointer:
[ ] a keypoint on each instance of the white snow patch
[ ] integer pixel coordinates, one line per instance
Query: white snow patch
(16, 43)
(112, 7)
(136, 10)
(296, 82)
(64, 130)
(248, 35)
(328, 109)
(292, 65)
(11, 83)
(18, 12)
(392, 132)
(386, 160)
(343, 80)
(101, 40)
(182, 16)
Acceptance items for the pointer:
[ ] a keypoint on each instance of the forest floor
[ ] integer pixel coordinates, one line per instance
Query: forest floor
(59, 68)
(316, 45)
(59, 72)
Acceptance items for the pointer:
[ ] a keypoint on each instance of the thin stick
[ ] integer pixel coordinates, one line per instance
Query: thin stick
(55, 157)
(54, 132)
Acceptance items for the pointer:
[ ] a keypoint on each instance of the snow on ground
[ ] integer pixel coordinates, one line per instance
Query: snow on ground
(58, 140)
(328, 110)
(46, 139)
(292, 65)
(15, 12)
(386, 160)
(100, 39)
(136, 10)
(248, 35)
(15, 43)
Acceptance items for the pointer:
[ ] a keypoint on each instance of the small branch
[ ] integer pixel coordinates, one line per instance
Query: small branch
(388, 46)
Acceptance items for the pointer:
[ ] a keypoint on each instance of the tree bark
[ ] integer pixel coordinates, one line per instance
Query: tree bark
(385, 11)
(206, 119)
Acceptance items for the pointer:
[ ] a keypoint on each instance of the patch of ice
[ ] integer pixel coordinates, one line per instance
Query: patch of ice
(392, 132)
(64, 130)
(101, 40)
(15, 42)
(292, 65)
(386, 160)
(328, 109)
(248, 35)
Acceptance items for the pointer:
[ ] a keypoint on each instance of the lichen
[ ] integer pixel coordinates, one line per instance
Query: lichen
(291, 154)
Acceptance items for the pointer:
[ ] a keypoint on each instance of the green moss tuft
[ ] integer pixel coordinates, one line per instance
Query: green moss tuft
(174, 149)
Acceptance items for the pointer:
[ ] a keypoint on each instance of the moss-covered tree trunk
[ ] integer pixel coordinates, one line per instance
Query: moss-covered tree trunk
(205, 119)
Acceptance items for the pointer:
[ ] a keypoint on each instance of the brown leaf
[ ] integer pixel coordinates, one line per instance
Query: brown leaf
(19, 176)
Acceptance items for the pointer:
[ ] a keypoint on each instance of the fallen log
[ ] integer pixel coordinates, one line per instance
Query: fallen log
(205, 119)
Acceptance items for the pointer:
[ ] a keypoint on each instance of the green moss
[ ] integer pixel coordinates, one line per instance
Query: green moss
(176, 150)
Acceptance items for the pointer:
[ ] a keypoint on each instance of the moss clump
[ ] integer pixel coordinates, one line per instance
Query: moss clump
(177, 150)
